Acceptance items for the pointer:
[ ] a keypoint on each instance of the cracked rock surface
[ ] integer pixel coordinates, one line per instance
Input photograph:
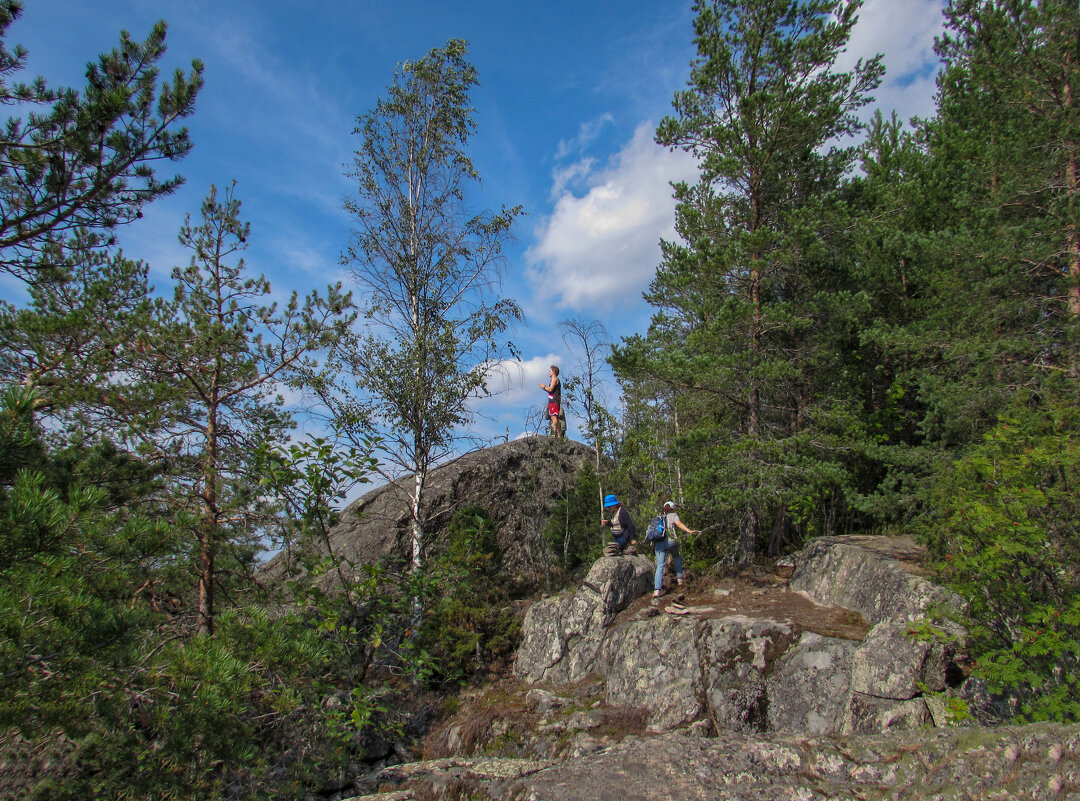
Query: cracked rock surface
(1040, 761)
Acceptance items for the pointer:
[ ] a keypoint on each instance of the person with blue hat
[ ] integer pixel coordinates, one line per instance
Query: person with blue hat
(622, 527)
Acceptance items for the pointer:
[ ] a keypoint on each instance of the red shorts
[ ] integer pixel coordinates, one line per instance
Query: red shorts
(553, 409)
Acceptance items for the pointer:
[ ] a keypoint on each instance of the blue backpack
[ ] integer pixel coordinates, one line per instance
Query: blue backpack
(655, 531)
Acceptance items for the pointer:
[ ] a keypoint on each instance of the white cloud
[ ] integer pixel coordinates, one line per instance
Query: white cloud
(587, 132)
(603, 247)
(563, 177)
(904, 33)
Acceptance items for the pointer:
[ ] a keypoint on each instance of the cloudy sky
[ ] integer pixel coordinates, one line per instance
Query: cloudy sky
(570, 96)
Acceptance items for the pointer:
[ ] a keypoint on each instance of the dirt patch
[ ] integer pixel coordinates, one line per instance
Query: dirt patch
(759, 593)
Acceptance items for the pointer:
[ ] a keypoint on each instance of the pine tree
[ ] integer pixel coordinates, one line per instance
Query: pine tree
(210, 369)
(84, 164)
(736, 296)
(65, 342)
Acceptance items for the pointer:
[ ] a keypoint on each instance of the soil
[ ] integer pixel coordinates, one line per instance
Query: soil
(760, 592)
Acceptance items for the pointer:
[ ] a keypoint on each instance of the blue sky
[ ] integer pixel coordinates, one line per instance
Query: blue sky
(570, 94)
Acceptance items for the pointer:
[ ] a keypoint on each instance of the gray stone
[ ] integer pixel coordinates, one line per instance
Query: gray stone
(736, 652)
(1041, 761)
(809, 686)
(875, 576)
(543, 702)
(562, 636)
(742, 674)
(738, 700)
(584, 744)
(892, 664)
(516, 482)
(868, 714)
(583, 721)
(655, 665)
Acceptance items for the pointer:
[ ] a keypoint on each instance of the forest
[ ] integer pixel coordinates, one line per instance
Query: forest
(860, 328)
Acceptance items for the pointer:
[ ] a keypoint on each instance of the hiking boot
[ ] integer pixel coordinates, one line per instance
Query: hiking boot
(631, 550)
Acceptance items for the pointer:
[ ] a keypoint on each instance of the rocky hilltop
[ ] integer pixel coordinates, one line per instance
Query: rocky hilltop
(516, 482)
(805, 683)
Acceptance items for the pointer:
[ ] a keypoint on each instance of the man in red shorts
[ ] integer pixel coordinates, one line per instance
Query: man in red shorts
(554, 390)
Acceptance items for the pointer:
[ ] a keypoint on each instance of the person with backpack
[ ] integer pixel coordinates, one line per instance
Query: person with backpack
(622, 527)
(663, 535)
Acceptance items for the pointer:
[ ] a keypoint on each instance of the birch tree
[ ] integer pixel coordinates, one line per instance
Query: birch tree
(432, 326)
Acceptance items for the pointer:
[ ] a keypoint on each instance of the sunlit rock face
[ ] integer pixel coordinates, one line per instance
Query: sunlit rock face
(752, 674)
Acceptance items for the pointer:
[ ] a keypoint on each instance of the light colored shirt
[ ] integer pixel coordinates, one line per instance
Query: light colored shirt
(672, 531)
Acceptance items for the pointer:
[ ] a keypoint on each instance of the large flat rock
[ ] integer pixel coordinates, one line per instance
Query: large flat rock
(1041, 761)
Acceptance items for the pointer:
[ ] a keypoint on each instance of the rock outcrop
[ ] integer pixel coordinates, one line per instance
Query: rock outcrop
(749, 674)
(516, 482)
(562, 636)
(1041, 761)
(878, 577)
(700, 702)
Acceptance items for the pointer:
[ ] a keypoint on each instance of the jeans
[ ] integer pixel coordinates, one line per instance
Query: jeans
(661, 549)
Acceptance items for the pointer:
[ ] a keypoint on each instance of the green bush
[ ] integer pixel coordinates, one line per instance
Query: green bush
(469, 626)
(573, 529)
(1006, 538)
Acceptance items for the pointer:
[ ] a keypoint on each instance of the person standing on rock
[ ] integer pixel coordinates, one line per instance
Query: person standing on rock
(622, 527)
(554, 406)
(669, 544)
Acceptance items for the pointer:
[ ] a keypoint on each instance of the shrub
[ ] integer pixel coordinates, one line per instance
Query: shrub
(1005, 537)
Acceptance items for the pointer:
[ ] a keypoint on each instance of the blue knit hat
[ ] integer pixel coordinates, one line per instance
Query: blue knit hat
(610, 500)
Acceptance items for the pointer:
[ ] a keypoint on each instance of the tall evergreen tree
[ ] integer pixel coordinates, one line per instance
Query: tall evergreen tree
(433, 331)
(964, 242)
(992, 347)
(65, 341)
(763, 114)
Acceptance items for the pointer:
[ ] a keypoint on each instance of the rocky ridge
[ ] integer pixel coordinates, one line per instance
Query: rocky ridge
(620, 699)
(515, 482)
(754, 674)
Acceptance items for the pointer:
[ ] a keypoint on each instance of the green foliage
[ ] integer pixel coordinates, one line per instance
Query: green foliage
(208, 370)
(434, 326)
(101, 676)
(364, 612)
(68, 340)
(82, 161)
(81, 586)
(469, 626)
(311, 478)
(741, 346)
(572, 531)
(1006, 539)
